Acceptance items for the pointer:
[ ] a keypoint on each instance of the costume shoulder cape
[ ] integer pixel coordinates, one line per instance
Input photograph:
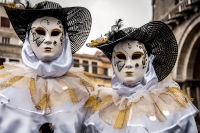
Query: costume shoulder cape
(73, 87)
(144, 109)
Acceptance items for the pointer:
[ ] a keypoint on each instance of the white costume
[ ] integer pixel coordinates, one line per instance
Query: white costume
(45, 94)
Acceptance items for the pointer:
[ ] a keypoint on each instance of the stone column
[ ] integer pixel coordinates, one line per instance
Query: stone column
(198, 99)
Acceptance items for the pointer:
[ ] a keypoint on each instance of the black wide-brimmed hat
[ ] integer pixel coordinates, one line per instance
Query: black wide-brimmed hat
(157, 37)
(76, 20)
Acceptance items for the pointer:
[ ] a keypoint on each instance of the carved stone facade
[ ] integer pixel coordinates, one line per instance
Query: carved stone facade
(183, 17)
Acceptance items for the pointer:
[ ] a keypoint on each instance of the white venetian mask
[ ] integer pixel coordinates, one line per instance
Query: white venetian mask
(46, 38)
(130, 61)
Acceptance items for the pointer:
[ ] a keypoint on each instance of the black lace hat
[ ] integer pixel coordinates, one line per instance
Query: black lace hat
(76, 20)
(157, 37)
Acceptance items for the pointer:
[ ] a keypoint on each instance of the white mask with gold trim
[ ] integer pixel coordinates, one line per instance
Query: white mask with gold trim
(46, 38)
(130, 61)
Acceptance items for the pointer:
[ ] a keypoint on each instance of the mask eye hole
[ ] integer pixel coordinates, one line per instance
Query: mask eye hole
(40, 31)
(55, 32)
(121, 55)
(137, 55)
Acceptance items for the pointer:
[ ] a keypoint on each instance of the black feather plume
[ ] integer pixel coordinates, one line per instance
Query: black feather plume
(113, 34)
(28, 4)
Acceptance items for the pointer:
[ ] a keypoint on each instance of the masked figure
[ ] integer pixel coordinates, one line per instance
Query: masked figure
(142, 99)
(45, 94)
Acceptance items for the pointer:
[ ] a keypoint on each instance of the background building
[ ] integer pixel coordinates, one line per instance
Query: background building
(10, 44)
(97, 64)
(183, 17)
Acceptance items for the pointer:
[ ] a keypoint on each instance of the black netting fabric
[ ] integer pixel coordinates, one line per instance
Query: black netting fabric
(76, 20)
(158, 39)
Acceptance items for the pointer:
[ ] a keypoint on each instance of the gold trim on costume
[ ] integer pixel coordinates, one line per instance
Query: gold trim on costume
(73, 96)
(32, 87)
(91, 102)
(5, 75)
(10, 82)
(123, 117)
(100, 103)
(47, 93)
(43, 103)
(115, 111)
(176, 92)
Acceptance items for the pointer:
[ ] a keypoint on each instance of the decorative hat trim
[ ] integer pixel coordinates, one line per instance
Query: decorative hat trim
(98, 41)
(15, 6)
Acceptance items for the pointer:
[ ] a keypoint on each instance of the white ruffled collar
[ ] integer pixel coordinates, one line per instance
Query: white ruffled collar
(22, 89)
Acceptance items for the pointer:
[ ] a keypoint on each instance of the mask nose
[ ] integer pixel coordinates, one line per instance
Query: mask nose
(128, 64)
(48, 40)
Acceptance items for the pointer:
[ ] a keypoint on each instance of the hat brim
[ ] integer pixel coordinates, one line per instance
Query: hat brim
(76, 20)
(158, 39)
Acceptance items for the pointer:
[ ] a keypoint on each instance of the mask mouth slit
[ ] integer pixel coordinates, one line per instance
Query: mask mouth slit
(47, 49)
(129, 73)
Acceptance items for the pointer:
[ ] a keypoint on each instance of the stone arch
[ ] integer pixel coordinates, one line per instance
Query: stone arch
(188, 47)
(193, 58)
